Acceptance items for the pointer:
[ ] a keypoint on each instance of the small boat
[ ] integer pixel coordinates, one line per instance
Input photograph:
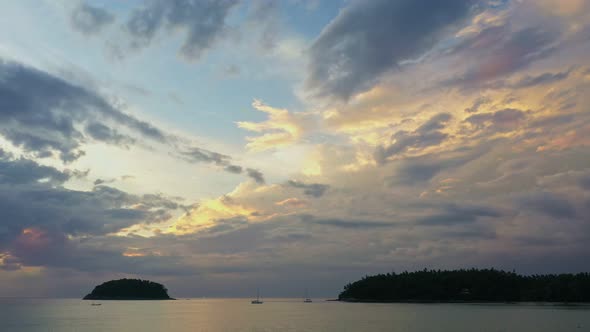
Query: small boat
(307, 299)
(258, 300)
(95, 304)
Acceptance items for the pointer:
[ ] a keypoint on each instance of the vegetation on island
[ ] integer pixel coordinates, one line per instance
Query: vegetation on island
(129, 289)
(474, 285)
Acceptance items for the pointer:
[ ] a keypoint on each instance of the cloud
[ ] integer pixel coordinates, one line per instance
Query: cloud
(255, 175)
(491, 171)
(196, 154)
(100, 132)
(413, 171)
(38, 247)
(47, 116)
(293, 202)
(453, 214)
(545, 78)
(503, 120)
(311, 189)
(282, 128)
(90, 20)
(549, 204)
(26, 172)
(45, 224)
(497, 51)
(98, 182)
(351, 224)
(368, 38)
(202, 21)
(41, 113)
(264, 15)
(480, 101)
(233, 169)
(345, 223)
(428, 134)
(31, 196)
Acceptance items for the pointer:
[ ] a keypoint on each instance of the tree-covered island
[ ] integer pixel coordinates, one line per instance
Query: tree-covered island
(487, 285)
(129, 289)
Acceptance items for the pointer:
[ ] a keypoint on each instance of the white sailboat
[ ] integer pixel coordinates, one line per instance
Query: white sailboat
(307, 299)
(258, 300)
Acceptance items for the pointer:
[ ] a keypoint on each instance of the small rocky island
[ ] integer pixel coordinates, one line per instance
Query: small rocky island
(129, 289)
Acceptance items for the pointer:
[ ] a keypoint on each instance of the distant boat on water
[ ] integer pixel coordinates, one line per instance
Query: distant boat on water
(95, 304)
(258, 300)
(307, 299)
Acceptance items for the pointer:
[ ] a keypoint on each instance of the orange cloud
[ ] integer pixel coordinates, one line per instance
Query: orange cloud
(282, 128)
(293, 202)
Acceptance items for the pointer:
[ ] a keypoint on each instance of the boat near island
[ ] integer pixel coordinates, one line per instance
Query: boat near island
(258, 300)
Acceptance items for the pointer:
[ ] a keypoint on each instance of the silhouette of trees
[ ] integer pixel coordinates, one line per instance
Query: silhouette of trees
(487, 285)
(129, 289)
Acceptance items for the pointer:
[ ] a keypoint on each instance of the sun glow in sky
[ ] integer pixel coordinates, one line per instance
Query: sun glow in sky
(221, 146)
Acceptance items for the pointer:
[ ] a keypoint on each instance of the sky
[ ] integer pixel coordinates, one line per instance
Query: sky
(222, 146)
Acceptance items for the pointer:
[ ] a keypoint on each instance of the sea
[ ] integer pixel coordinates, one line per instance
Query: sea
(285, 315)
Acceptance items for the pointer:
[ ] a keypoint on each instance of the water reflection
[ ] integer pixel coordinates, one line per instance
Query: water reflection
(285, 315)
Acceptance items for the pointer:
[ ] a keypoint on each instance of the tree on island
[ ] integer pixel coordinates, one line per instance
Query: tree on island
(129, 289)
(474, 285)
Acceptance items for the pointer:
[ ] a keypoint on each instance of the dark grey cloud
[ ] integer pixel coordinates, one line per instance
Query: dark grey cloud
(54, 250)
(233, 169)
(22, 171)
(368, 38)
(49, 116)
(98, 182)
(416, 170)
(203, 22)
(100, 132)
(428, 134)
(255, 175)
(545, 78)
(454, 214)
(45, 224)
(41, 113)
(411, 173)
(503, 120)
(549, 204)
(196, 154)
(351, 224)
(31, 195)
(464, 232)
(482, 100)
(90, 20)
(225, 225)
(310, 189)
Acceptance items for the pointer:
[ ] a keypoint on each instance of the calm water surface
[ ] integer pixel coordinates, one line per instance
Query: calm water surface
(284, 315)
